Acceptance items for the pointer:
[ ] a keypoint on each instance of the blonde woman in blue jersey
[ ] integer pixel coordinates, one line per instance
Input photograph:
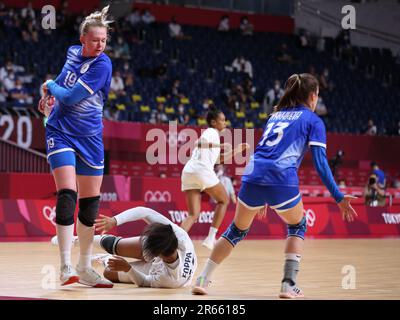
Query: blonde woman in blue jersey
(75, 147)
(270, 178)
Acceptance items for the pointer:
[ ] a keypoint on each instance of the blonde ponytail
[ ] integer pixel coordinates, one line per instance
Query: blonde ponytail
(96, 19)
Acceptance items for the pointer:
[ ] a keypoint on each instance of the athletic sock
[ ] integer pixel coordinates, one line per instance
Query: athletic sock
(65, 236)
(291, 268)
(85, 235)
(208, 269)
(212, 233)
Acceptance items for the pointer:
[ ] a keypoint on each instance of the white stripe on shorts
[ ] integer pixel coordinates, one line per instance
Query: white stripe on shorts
(88, 164)
(248, 207)
(58, 151)
(284, 203)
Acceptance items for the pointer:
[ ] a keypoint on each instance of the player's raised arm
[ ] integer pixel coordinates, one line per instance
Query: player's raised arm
(68, 97)
(105, 223)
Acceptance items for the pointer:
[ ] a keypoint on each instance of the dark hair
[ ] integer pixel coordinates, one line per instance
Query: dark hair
(297, 90)
(158, 239)
(212, 114)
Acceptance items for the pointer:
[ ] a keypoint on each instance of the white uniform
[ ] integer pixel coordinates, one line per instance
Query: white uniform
(198, 172)
(157, 273)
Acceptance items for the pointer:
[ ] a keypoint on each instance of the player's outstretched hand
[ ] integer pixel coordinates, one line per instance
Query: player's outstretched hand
(104, 223)
(118, 264)
(348, 213)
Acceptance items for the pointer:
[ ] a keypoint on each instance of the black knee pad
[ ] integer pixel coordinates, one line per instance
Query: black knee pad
(109, 243)
(88, 209)
(65, 208)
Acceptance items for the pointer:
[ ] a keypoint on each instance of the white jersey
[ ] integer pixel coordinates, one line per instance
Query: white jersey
(204, 158)
(157, 273)
(177, 274)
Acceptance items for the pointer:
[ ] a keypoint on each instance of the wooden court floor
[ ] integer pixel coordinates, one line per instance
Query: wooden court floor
(330, 269)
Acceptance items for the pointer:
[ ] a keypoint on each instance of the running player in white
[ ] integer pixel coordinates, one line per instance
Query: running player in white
(271, 178)
(198, 174)
(165, 253)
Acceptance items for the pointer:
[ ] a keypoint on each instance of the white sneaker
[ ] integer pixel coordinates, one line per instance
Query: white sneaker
(91, 278)
(54, 240)
(290, 292)
(209, 243)
(101, 259)
(68, 275)
(200, 288)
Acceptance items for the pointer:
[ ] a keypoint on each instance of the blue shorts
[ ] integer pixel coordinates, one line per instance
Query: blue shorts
(279, 198)
(86, 154)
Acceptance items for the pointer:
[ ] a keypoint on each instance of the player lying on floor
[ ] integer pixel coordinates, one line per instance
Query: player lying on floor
(165, 253)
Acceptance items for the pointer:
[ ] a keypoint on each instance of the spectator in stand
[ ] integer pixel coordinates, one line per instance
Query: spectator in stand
(321, 108)
(246, 28)
(121, 49)
(28, 12)
(240, 64)
(10, 67)
(129, 84)
(3, 10)
(3, 94)
(304, 39)
(175, 29)
(180, 117)
(374, 195)
(273, 96)
(342, 183)
(371, 128)
(147, 17)
(19, 95)
(224, 24)
(284, 55)
(324, 81)
(336, 162)
(396, 181)
(134, 17)
(117, 84)
(159, 114)
(9, 81)
(379, 173)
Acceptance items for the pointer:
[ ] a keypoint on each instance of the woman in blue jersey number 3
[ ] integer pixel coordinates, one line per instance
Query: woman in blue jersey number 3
(74, 144)
(270, 178)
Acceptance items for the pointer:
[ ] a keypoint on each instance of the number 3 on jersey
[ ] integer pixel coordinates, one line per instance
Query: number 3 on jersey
(278, 128)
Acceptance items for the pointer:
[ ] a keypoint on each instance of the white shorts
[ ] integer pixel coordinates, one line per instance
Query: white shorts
(199, 181)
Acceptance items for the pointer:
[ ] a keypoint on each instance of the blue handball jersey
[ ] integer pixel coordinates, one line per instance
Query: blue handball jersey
(84, 118)
(285, 140)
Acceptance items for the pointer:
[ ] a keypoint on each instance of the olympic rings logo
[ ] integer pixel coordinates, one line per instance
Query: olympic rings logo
(50, 214)
(157, 196)
(310, 217)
